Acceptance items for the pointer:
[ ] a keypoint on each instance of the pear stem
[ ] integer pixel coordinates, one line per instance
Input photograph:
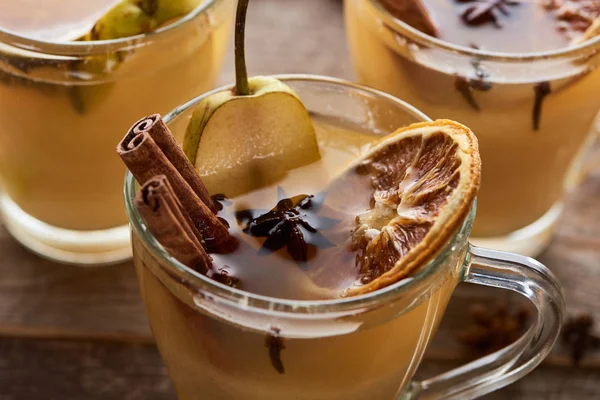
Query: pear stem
(241, 74)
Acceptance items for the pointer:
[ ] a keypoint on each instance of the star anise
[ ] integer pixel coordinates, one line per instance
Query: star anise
(484, 11)
(293, 223)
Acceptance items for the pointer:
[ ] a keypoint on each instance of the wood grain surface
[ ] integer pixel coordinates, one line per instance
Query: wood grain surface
(74, 333)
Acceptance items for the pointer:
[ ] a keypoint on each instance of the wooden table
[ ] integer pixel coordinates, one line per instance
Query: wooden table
(72, 333)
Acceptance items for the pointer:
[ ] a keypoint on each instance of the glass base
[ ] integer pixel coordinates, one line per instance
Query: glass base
(83, 248)
(529, 241)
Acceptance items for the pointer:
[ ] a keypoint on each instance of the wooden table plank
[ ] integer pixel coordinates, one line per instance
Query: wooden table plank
(68, 370)
(547, 383)
(106, 348)
(41, 296)
(65, 370)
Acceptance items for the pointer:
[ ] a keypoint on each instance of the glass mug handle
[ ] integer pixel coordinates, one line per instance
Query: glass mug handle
(527, 277)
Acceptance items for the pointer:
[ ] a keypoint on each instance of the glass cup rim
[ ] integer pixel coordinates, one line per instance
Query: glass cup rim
(72, 48)
(252, 301)
(397, 25)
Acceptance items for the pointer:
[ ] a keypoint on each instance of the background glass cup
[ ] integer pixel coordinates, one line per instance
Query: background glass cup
(212, 337)
(63, 106)
(526, 171)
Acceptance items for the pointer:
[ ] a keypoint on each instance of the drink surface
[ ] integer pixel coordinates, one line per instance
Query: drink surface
(526, 26)
(522, 128)
(58, 20)
(277, 274)
(214, 349)
(77, 184)
(511, 25)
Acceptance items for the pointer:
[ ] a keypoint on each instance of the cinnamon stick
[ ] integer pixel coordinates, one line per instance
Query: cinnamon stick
(162, 136)
(145, 159)
(167, 221)
(413, 13)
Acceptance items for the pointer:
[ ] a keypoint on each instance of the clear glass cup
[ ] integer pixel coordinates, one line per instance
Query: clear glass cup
(526, 169)
(212, 337)
(63, 106)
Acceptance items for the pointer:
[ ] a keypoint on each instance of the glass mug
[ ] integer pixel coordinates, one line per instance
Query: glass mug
(63, 106)
(527, 169)
(212, 337)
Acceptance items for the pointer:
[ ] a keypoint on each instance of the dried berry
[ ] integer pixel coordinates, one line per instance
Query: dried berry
(223, 276)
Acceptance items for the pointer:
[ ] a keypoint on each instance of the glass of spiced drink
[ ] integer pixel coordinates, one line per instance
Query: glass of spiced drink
(263, 325)
(72, 77)
(522, 75)
(296, 244)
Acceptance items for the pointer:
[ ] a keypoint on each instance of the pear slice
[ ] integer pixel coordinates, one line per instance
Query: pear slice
(52, 20)
(126, 18)
(167, 10)
(134, 17)
(241, 143)
(123, 20)
(250, 136)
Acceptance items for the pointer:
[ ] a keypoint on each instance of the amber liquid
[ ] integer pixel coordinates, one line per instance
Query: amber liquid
(332, 215)
(524, 171)
(52, 20)
(218, 352)
(61, 119)
(529, 27)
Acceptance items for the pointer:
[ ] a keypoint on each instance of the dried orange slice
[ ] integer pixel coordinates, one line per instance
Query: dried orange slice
(424, 179)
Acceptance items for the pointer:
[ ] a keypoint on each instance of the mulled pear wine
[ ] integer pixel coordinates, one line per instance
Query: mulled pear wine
(521, 74)
(213, 350)
(66, 99)
(300, 237)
